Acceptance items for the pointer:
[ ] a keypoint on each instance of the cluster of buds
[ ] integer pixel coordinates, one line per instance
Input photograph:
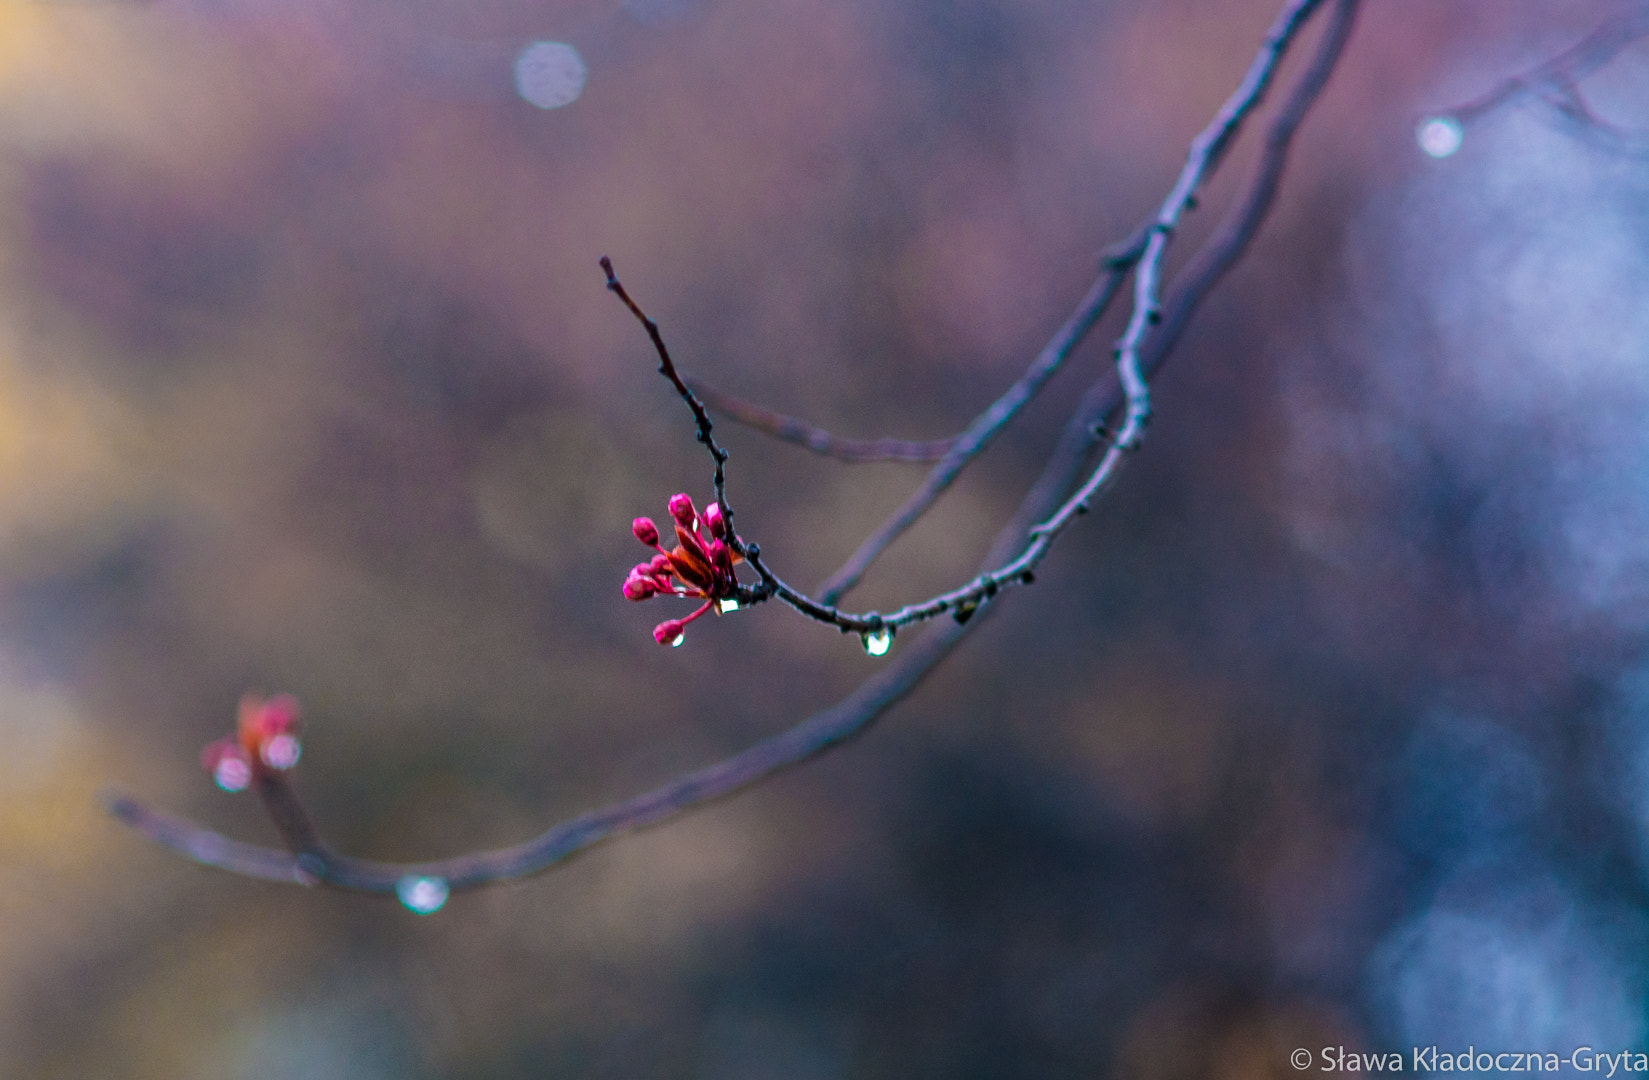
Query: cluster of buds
(700, 565)
(266, 738)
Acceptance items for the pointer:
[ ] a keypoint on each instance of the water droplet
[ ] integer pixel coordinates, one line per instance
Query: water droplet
(1439, 136)
(550, 74)
(676, 644)
(728, 605)
(281, 752)
(879, 641)
(425, 895)
(232, 773)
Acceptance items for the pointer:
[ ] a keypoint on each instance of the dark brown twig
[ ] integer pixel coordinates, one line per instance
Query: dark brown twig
(667, 368)
(312, 863)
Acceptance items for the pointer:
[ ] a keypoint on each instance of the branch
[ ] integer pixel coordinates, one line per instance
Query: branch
(793, 430)
(989, 423)
(1554, 81)
(425, 886)
(667, 368)
(1139, 351)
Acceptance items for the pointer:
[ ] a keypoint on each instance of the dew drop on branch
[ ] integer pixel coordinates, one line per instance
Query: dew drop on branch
(424, 895)
(877, 642)
(727, 605)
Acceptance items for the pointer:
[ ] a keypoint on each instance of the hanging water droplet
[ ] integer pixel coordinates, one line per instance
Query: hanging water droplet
(425, 895)
(676, 644)
(232, 773)
(1439, 136)
(727, 605)
(878, 641)
(282, 752)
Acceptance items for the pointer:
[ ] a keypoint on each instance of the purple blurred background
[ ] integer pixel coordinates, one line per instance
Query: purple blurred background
(1328, 729)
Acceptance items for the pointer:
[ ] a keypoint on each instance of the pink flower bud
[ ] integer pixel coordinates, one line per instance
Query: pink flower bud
(721, 557)
(280, 715)
(715, 522)
(681, 508)
(660, 566)
(638, 587)
(669, 632)
(645, 531)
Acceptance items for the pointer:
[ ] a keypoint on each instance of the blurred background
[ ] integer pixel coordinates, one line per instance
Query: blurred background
(1328, 729)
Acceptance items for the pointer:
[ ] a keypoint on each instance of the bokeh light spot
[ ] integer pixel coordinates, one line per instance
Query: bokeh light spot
(550, 74)
(1440, 136)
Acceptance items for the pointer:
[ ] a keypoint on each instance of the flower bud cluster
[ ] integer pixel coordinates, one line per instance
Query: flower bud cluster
(266, 739)
(700, 565)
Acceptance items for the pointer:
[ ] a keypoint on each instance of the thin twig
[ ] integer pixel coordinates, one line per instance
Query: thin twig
(791, 429)
(1117, 257)
(667, 368)
(1567, 67)
(859, 709)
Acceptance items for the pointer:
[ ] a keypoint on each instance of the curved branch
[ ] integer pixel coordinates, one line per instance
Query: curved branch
(1141, 350)
(791, 429)
(1566, 68)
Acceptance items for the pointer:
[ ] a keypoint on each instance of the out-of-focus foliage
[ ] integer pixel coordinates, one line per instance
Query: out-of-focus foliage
(1329, 727)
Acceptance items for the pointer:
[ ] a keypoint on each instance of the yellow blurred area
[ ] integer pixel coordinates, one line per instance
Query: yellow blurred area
(75, 467)
(140, 80)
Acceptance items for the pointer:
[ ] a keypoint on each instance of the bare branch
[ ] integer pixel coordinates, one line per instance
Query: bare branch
(793, 430)
(1566, 68)
(1556, 82)
(1137, 356)
(667, 368)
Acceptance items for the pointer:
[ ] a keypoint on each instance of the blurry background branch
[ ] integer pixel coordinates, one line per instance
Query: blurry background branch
(1557, 83)
(794, 430)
